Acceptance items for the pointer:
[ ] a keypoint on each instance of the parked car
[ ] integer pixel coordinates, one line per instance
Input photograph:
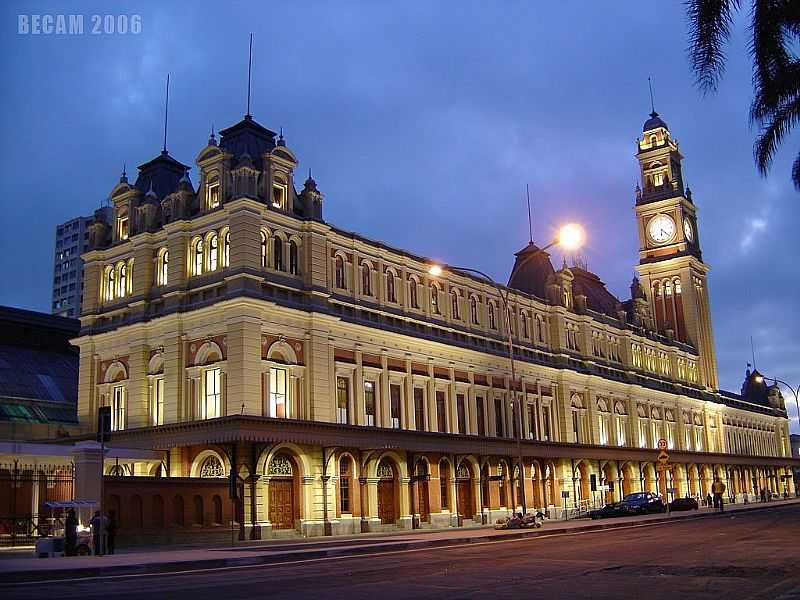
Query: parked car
(616, 509)
(644, 502)
(684, 504)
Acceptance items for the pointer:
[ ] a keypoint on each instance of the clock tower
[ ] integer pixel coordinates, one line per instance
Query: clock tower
(671, 267)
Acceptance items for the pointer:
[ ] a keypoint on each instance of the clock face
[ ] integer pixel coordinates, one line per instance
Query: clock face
(688, 231)
(661, 229)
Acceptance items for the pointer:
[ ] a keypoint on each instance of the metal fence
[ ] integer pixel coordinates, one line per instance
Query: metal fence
(24, 490)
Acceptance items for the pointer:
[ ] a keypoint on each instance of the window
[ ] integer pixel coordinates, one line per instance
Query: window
(277, 253)
(122, 227)
(339, 269)
(366, 280)
(576, 426)
(524, 318)
(394, 400)
(226, 249)
(441, 411)
(197, 257)
(279, 195)
(444, 484)
(602, 429)
(658, 179)
(498, 417)
(345, 475)
(158, 401)
(162, 267)
(264, 247)
(461, 410)
(278, 393)
(546, 423)
(473, 310)
(212, 195)
(369, 402)
(342, 400)
(212, 394)
(390, 293)
(419, 408)
(110, 283)
(412, 289)
(294, 258)
(213, 249)
(492, 322)
(480, 415)
(455, 312)
(122, 283)
(434, 299)
(118, 408)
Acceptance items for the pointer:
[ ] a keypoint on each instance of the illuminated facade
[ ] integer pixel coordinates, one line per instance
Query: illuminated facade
(233, 328)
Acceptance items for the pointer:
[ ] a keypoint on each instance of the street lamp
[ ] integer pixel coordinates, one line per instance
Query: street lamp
(795, 391)
(569, 237)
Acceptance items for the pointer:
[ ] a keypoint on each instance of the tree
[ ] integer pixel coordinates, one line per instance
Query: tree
(775, 28)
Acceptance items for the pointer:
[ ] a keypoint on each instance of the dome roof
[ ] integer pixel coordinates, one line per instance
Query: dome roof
(532, 268)
(654, 122)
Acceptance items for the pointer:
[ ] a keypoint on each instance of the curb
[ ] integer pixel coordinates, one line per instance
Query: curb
(65, 574)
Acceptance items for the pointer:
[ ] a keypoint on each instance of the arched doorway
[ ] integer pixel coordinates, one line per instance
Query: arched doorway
(485, 498)
(282, 492)
(608, 479)
(583, 487)
(502, 482)
(628, 478)
(550, 490)
(421, 480)
(464, 486)
(649, 474)
(387, 507)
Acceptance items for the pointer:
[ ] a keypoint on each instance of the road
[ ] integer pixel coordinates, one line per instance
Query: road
(753, 555)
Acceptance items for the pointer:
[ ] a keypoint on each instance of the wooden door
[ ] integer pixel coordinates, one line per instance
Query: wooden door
(465, 504)
(424, 504)
(386, 501)
(281, 503)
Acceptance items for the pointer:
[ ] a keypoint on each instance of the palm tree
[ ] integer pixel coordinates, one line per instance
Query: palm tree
(775, 29)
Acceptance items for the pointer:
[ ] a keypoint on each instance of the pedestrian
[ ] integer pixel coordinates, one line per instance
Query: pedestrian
(718, 488)
(111, 531)
(763, 495)
(97, 524)
(71, 533)
(708, 500)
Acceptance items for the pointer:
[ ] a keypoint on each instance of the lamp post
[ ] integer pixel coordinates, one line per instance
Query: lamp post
(570, 237)
(795, 391)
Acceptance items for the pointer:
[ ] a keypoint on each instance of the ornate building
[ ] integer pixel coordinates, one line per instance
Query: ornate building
(347, 390)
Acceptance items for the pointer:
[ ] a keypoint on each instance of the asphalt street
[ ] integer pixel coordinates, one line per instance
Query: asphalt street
(753, 555)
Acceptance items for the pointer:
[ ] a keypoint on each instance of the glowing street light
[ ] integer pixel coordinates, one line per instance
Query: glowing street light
(571, 236)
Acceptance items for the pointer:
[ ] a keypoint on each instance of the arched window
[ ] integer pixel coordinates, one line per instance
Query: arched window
(524, 318)
(110, 283)
(473, 310)
(264, 246)
(216, 508)
(339, 273)
(454, 310)
(413, 294)
(434, 299)
(294, 258)
(122, 282)
(162, 267)
(277, 253)
(197, 257)
(198, 510)
(653, 140)
(226, 249)
(212, 468)
(391, 296)
(213, 251)
(366, 280)
(345, 481)
(492, 322)
(177, 511)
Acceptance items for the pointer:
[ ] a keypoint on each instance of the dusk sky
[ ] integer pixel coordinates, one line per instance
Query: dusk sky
(422, 122)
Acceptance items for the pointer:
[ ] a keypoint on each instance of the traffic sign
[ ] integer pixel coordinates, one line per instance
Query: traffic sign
(663, 444)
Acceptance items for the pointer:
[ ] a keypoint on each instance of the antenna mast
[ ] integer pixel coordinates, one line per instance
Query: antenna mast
(166, 113)
(249, 71)
(530, 222)
(652, 102)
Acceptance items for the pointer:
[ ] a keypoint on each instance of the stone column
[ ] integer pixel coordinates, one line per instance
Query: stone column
(138, 400)
(174, 395)
(88, 469)
(243, 369)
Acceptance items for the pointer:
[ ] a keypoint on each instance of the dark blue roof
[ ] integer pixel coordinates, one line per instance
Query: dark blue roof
(654, 122)
(247, 137)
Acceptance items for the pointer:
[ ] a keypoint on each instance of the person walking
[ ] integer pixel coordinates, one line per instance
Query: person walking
(71, 533)
(719, 490)
(111, 531)
(708, 500)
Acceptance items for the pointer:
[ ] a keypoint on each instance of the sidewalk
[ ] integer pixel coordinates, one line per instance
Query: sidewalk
(20, 570)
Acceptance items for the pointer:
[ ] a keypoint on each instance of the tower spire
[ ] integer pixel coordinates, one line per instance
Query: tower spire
(249, 72)
(530, 221)
(652, 101)
(166, 113)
